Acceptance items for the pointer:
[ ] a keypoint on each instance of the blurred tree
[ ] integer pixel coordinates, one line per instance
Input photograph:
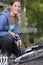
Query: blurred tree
(34, 14)
(6, 1)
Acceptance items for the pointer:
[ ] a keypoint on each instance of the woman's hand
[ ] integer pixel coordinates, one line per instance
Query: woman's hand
(13, 34)
(19, 43)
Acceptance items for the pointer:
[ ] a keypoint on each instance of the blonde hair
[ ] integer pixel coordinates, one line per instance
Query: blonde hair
(18, 15)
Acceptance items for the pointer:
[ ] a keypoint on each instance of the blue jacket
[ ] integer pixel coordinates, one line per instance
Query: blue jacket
(5, 23)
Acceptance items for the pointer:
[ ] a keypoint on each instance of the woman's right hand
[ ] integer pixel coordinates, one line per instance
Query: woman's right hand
(13, 34)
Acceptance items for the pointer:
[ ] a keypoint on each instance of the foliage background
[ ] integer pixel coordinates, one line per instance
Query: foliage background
(34, 15)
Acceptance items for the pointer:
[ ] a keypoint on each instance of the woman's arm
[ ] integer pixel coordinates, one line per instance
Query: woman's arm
(16, 31)
(2, 24)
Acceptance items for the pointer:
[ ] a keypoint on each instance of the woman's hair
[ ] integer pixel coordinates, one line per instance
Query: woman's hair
(12, 2)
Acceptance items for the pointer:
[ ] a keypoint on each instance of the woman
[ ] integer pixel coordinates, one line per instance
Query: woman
(9, 29)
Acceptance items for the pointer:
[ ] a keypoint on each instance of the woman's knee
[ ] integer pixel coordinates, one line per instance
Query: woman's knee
(7, 39)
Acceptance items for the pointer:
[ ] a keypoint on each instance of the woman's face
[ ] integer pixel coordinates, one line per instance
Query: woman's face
(16, 7)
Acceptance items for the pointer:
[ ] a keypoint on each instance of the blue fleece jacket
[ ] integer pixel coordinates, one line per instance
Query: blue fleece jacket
(5, 24)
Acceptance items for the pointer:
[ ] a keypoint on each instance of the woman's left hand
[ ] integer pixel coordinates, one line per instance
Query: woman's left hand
(19, 43)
